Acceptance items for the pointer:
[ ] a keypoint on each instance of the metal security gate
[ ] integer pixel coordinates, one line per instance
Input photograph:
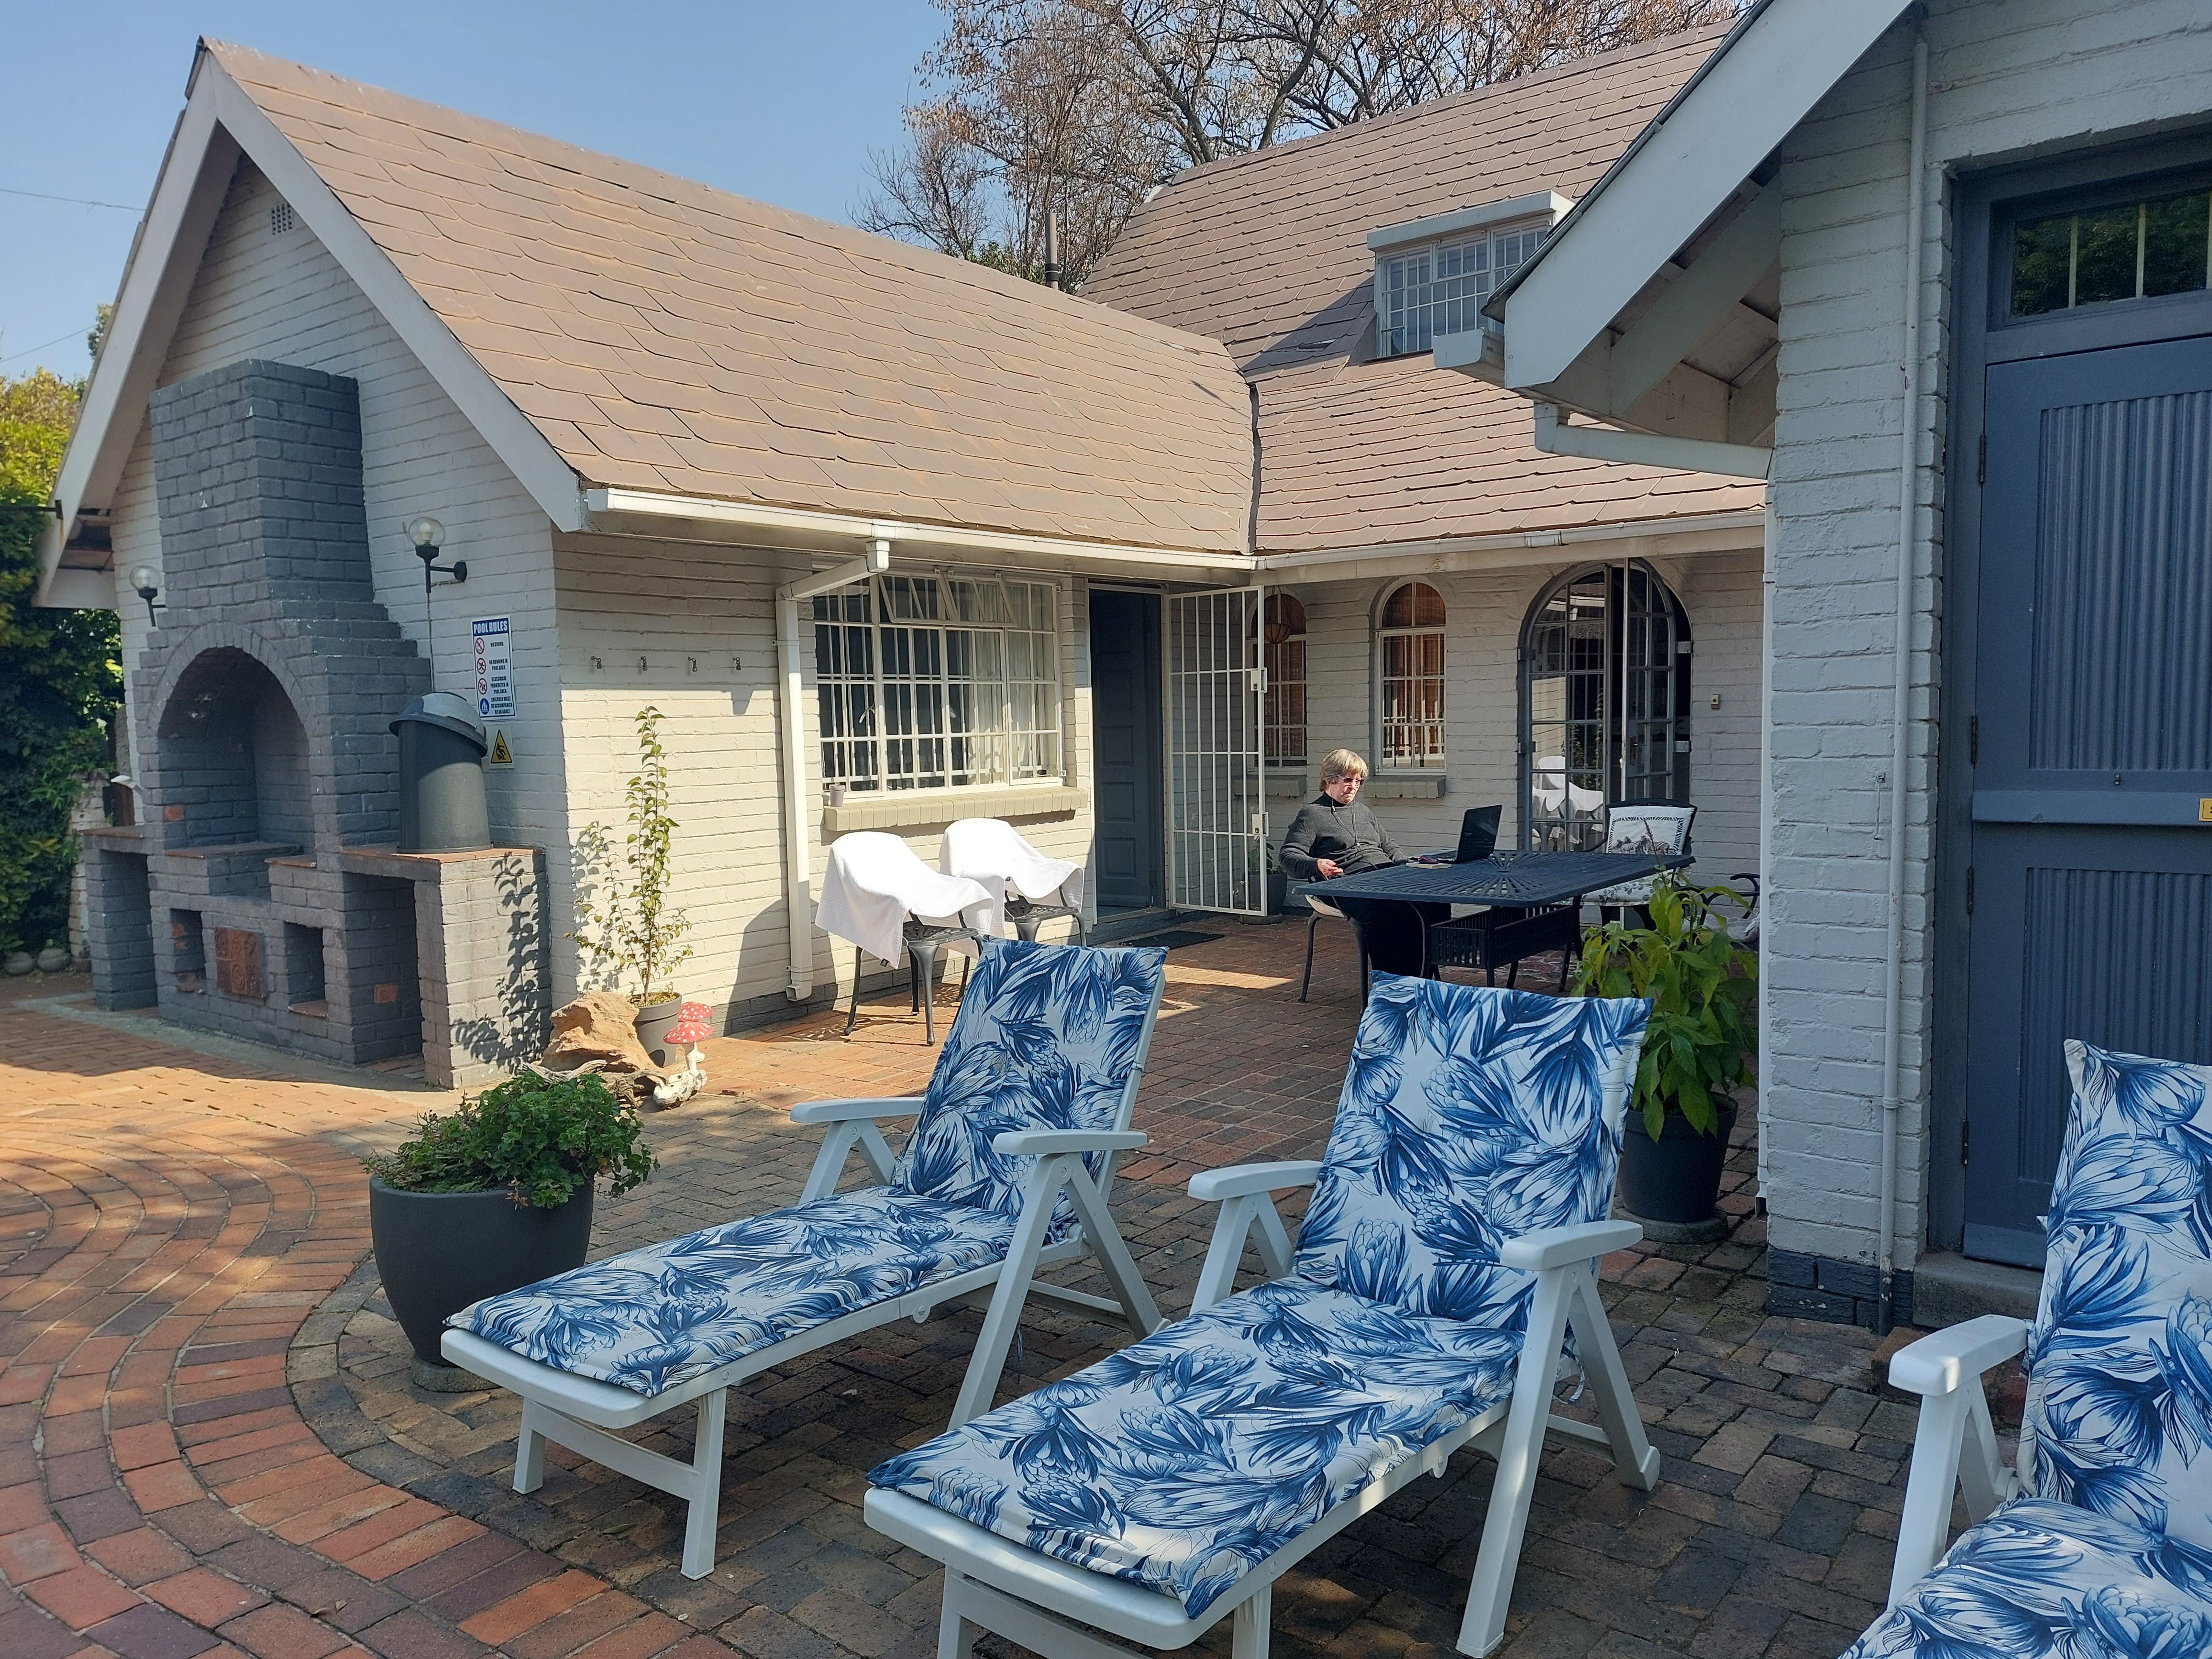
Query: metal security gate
(1217, 807)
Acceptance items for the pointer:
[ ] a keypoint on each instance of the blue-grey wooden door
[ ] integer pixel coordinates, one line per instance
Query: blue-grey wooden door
(1124, 681)
(2090, 886)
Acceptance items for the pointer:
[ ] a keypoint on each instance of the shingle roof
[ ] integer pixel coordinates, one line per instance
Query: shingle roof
(667, 336)
(1267, 253)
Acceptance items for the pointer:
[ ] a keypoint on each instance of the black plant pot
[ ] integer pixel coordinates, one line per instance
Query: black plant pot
(1675, 1179)
(438, 1252)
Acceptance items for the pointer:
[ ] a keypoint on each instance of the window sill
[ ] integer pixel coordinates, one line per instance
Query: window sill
(1287, 786)
(918, 809)
(1409, 785)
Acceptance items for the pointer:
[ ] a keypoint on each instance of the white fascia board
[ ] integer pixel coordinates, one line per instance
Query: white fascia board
(1547, 205)
(807, 525)
(1508, 549)
(68, 589)
(1681, 174)
(536, 464)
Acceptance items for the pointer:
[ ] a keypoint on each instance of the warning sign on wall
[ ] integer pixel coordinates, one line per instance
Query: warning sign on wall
(491, 637)
(501, 753)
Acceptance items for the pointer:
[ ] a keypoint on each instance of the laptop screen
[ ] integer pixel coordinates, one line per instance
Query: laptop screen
(1478, 833)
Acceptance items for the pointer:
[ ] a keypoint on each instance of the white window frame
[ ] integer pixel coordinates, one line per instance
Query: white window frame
(857, 749)
(1426, 760)
(1452, 299)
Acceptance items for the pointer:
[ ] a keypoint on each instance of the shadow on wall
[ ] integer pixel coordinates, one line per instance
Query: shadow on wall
(515, 1034)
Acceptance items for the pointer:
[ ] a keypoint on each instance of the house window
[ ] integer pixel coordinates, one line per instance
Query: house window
(2135, 250)
(933, 682)
(1429, 291)
(1412, 638)
(1285, 717)
(1605, 702)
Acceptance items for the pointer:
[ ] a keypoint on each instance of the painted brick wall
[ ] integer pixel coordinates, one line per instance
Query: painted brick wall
(2008, 79)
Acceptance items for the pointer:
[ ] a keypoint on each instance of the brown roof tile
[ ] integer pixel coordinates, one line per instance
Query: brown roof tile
(665, 334)
(1267, 253)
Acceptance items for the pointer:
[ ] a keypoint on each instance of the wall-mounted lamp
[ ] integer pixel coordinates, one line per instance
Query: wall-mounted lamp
(426, 533)
(148, 581)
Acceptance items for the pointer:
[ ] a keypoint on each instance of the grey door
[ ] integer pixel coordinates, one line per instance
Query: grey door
(1124, 682)
(2090, 878)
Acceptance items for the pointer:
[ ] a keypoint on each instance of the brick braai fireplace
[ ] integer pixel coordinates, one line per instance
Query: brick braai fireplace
(260, 892)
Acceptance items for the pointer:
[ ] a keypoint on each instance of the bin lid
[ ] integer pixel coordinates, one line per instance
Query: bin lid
(446, 710)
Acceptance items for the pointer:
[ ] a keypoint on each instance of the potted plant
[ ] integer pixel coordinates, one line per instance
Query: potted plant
(623, 920)
(495, 1195)
(1701, 1043)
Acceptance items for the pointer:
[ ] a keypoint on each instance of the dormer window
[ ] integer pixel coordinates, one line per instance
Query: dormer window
(1432, 276)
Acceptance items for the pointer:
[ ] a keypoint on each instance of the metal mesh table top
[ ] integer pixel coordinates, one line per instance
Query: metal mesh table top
(1519, 879)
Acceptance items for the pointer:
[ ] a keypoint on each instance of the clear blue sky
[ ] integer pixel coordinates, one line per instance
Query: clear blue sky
(781, 102)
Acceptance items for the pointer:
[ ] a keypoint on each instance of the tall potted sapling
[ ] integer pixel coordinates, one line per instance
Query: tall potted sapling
(1702, 1042)
(493, 1195)
(625, 922)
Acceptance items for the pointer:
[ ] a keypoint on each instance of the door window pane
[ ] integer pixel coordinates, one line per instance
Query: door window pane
(2133, 249)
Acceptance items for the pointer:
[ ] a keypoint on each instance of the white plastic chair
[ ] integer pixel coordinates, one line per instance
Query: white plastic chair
(1034, 888)
(878, 894)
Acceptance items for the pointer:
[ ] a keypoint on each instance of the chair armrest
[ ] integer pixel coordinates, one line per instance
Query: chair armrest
(1559, 1246)
(1941, 1362)
(1213, 1186)
(845, 1111)
(1040, 1143)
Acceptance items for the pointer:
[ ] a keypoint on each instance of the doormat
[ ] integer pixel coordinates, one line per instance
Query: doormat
(1175, 937)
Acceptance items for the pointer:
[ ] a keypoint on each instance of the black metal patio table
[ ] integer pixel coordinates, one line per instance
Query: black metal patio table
(1545, 888)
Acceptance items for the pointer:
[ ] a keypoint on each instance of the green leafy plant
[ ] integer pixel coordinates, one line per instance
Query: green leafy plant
(540, 1138)
(623, 918)
(1702, 1039)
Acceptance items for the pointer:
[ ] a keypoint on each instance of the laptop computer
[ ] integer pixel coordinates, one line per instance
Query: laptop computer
(1478, 833)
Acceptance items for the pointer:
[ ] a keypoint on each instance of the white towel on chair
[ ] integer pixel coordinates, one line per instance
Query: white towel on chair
(875, 882)
(992, 851)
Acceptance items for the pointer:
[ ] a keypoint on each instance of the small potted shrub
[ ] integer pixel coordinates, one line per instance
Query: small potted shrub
(625, 922)
(495, 1195)
(1702, 1043)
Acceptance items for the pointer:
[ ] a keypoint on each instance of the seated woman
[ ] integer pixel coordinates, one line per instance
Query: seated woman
(1336, 835)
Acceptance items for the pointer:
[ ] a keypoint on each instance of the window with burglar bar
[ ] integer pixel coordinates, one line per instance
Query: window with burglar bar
(1411, 646)
(931, 682)
(1440, 290)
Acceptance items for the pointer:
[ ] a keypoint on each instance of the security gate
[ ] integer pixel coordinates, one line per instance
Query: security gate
(1217, 805)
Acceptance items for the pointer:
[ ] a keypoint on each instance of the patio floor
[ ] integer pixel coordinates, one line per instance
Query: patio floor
(209, 1443)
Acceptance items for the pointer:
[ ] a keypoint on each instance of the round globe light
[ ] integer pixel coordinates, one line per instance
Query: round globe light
(425, 531)
(146, 580)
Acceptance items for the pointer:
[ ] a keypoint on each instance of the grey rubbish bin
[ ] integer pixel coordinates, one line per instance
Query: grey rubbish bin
(441, 787)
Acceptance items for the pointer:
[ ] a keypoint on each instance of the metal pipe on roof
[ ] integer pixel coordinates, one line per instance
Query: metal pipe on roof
(790, 712)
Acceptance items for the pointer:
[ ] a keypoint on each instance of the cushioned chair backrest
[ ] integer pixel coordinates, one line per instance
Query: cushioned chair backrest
(1047, 1038)
(1469, 1116)
(1648, 829)
(2120, 1359)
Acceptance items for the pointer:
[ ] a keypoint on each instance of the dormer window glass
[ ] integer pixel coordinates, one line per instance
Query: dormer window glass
(1424, 292)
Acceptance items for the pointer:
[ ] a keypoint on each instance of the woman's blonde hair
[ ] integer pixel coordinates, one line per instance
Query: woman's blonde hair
(1341, 763)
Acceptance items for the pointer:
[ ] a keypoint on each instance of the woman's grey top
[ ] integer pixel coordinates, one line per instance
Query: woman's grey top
(1350, 835)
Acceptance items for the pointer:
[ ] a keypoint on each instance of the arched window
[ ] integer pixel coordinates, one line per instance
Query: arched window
(1285, 661)
(1411, 638)
(1604, 701)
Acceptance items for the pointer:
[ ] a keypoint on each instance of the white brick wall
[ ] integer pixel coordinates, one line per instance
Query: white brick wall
(2008, 79)
(1485, 612)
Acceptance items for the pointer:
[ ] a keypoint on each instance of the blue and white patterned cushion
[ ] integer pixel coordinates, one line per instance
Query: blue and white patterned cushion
(1469, 1116)
(1045, 1039)
(651, 1319)
(2046, 1580)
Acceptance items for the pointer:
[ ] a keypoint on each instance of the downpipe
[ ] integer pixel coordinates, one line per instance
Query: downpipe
(791, 714)
(1908, 470)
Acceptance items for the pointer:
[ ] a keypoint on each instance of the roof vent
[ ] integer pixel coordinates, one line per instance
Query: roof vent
(281, 219)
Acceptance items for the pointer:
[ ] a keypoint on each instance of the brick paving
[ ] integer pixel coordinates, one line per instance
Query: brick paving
(209, 1445)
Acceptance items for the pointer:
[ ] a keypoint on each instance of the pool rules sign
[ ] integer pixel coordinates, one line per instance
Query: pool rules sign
(491, 643)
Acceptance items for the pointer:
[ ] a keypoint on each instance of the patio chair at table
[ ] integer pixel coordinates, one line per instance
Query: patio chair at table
(2099, 1541)
(878, 894)
(1641, 826)
(1322, 911)
(1034, 888)
(1007, 1170)
(1553, 797)
(1450, 1245)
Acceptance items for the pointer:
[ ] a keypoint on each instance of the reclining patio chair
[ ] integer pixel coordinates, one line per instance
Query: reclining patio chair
(1006, 1171)
(2099, 1543)
(1450, 1244)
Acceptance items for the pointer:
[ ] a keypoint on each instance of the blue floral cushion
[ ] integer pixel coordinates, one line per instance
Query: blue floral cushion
(1469, 1116)
(2120, 1358)
(1185, 1458)
(2046, 1580)
(1045, 1039)
(651, 1319)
